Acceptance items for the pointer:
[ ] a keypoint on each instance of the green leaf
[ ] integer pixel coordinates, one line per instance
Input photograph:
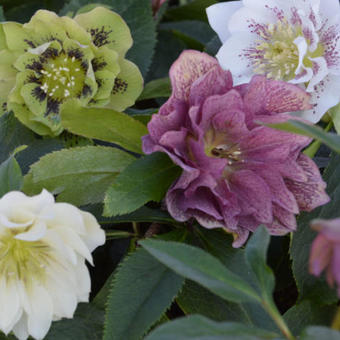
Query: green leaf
(330, 139)
(334, 112)
(318, 333)
(12, 134)
(156, 88)
(193, 32)
(104, 124)
(193, 300)
(195, 264)
(309, 286)
(79, 175)
(87, 324)
(256, 253)
(142, 290)
(307, 313)
(195, 10)
(197, 327)
(2, 16)
(218, 243)
(146, 179)
(10, 176)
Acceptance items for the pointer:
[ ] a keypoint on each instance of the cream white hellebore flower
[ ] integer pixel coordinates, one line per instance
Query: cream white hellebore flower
(43, 247)
(297, 41)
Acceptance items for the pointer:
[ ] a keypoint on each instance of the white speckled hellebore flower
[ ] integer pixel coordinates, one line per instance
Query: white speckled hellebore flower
(53, 59)
(43, 248)
(297, 41)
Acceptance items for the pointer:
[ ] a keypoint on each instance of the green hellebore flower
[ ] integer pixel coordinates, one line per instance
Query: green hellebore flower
(52, 59)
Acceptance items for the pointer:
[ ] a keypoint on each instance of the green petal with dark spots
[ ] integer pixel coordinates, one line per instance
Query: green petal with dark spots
(39, 124)
(107, 29)
(7, 79)
(17, 38)
(34, 98)
(128, 86)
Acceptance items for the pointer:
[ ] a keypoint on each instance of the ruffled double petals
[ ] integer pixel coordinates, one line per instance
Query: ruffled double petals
(237, 174)
(43, 248)
(325, 251)
(293, 40)
(52, 59)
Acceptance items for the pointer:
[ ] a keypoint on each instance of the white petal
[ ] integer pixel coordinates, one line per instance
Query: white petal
(219, 16)
(41, 313)
(320, 70)
(247, 19)
(28, 218)
(329, 7)
(232, 56)
(39, 202)
(302, 46)
(84, 282)
(36, 232)
(325, 95)
(95, 236)
(20, 329)
(40, 49)
(10, 311)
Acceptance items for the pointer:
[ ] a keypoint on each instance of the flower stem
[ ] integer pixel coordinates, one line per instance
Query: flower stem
(336, 320)
(271, 309)
(314, 147)
(136, 229)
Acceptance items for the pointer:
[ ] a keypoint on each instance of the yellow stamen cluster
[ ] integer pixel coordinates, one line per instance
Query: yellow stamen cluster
(22, 260)
(276, 55)
(62, 77)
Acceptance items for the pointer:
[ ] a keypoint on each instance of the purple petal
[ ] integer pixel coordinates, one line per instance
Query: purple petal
(309, 194)
(320, 255)
(215, 81)
(189, 66)
(253, 192)
(267, 96)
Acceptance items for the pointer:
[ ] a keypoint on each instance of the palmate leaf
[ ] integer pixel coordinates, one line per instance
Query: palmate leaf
(317, 333)
(79, 175)
(103, 124)
(10, 176)
(195, 264)
(197, 327)
(142, 290)
(146, 179)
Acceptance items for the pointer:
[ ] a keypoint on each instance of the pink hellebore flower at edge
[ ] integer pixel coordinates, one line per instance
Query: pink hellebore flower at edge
(325, 251)
(292, 40)
(236, 174)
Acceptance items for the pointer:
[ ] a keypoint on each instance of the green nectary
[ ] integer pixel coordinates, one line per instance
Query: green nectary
(52, 59)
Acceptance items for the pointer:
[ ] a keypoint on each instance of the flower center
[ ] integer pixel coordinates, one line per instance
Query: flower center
(22, 260)
(63, 77)
(217, 146)
(276, 55)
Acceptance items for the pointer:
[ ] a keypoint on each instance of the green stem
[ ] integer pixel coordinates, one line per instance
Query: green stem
(315, 146)
(136, 229)
(336, 320)
(271, 309)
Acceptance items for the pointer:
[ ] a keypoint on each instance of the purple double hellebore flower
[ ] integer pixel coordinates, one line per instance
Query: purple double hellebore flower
(325, 251)
(237, 174)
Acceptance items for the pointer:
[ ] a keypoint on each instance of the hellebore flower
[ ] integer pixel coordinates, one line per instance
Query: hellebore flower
(236, 174)
(297, 41)
(52, 59)
(325, 251)
(43, 247)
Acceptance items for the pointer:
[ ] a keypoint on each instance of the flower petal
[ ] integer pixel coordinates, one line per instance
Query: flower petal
(189, 66)
(219, 16)
(236, 49)
(107, 29)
